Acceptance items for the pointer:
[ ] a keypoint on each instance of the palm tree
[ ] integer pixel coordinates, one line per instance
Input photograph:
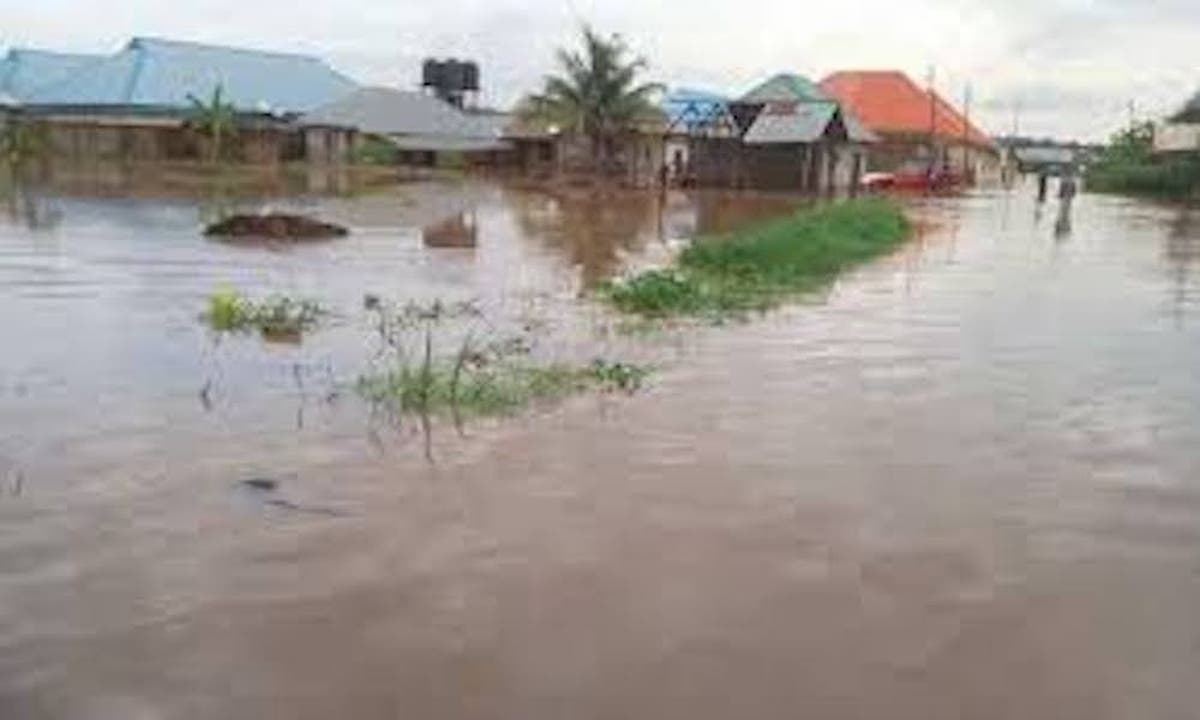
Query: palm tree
(597, 94)
(215, 119)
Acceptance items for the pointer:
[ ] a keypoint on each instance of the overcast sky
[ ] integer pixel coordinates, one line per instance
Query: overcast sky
(1072, 66)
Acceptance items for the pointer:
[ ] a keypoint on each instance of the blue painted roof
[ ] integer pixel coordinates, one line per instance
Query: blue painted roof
(166, 73)
(24, 70)
(686, 107)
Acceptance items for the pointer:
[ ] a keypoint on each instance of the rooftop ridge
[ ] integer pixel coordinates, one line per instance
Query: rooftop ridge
(18, 50)
(141, 42)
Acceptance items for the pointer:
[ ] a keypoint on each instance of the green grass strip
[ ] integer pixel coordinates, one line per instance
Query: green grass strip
(758, 267)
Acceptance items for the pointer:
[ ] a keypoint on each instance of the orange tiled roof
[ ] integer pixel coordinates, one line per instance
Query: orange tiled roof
(888, 101)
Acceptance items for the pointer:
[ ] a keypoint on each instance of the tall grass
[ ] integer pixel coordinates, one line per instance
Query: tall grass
(440, 359)
(760, 266)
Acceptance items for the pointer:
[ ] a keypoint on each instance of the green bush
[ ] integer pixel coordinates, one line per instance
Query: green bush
(1129, 165)
(757, 267)
(276, 317)
(1169, 177)
(372, 150)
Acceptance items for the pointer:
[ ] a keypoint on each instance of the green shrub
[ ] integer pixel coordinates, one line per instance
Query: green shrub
(372, 150)
(755, 268)
(1129, 165)
(1169, 177)
(275, 317)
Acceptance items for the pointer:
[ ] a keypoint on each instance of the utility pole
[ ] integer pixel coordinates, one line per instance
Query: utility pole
(930, 80)
(966, 138)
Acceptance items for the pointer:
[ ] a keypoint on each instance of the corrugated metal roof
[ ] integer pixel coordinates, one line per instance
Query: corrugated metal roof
(785, 87)
(387, 111)
(1045, 155)
(805, 123)
(687, 108)
(164, 73)
(23, 70)
(492, 123)
(443, 143)
(413, 120)
(889, 102)
(856, 131)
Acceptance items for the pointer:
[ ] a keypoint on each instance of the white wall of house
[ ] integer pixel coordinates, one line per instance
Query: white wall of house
(845, 167)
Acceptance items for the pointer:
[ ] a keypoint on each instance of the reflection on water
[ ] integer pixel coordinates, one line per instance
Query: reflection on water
(593, 233)
(1182, 254)
(962, 484)
(457, 231)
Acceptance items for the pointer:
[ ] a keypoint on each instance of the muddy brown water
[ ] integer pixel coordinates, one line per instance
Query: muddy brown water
(964, 483)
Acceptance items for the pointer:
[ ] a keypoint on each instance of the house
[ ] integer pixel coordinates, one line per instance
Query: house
(23, 70)
(1181, 132)
(784, 134)
(136, 104)
(916, 128)
(632, 157)
(418, 128)
(693, 116)
(1045, 159)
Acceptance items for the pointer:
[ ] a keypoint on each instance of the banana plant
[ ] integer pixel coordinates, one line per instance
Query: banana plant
(216, 119)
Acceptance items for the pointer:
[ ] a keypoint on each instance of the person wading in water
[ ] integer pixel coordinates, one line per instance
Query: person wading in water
(1067, 189)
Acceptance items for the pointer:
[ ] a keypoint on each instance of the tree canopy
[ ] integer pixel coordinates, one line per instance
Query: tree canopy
(598, 90)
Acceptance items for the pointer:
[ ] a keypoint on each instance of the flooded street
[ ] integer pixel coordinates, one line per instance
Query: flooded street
(964, 483)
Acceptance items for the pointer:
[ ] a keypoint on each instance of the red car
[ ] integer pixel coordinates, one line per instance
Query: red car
(914, 177)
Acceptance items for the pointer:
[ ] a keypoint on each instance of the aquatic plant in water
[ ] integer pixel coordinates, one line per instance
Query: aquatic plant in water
(484, 375)
(758, 267)
(278, 316)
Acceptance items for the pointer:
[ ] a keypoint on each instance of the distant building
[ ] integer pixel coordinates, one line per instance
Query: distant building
(1181, 132)
(136, 104)
(1045, 159)
(418, 127)
(784, 134)
(916, 128)
(632, 157)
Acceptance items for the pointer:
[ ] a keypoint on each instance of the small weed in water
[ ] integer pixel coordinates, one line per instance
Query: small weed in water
(275, 317)
(483, 376)
(618, 375)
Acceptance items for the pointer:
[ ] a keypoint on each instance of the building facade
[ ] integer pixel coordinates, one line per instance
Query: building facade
(142, 103)
(784, 135)
(916, 128)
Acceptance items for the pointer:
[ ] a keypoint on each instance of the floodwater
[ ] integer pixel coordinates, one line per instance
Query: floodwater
(964, 483)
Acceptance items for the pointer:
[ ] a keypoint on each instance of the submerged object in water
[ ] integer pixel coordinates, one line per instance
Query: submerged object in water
(274, 226)
(258, 493)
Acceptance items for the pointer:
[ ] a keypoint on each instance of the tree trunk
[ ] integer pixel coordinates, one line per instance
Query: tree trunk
(597, 143)
(216, 146)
